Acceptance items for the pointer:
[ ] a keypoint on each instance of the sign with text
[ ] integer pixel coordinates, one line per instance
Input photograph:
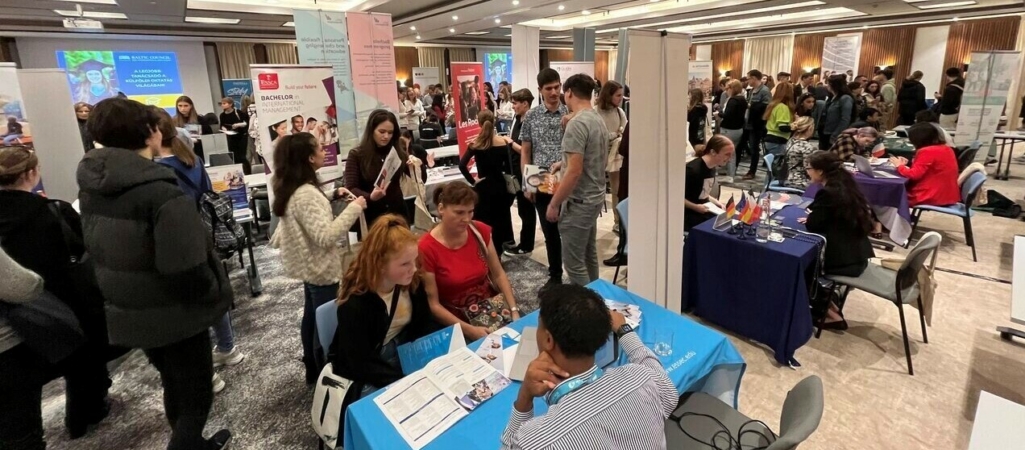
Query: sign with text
(322, 39)
(467, 88)
(372, 52)
(567, 69)
(840, 54)
(151, 78)
(426, 76)
(236, 89)
(985, 91)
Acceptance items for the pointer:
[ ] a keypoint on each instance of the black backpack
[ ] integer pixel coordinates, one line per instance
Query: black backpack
(218, 213)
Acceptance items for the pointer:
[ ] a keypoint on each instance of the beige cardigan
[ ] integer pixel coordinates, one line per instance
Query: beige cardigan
(310, 239)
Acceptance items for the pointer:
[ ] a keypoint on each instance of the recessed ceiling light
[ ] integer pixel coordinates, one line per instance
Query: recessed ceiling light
(585, 12)
(455, 17)
(90, 14)
(864, 26)
(99, 2)
(954, 19)
(418, 37)
(558, 37)
(451, 30)
(497, 20)
(508, 35)
(413, 28)
(272, 2)
(562, 7)
(216, 20)
(288, 24)
(516, 2)
(476, 33)
(946, 5)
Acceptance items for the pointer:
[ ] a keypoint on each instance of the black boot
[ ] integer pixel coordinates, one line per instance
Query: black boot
(619, 259)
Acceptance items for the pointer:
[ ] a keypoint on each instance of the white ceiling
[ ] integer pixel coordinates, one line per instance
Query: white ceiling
(486, 22)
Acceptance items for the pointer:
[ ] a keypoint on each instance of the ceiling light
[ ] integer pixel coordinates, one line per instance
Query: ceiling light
(216, 20)
(418, 37)
(915, 1)
(476, 33)
(288, 24)
(561, 7)
(455, 17)
(99, 2)
(954, 19)
(451, 30)
(946, 5)
(497, 20)
(557, 37)
(412, 28)
(508, 35)
(585, 12)
(716, 16)
(516, 2)
(90, 14)
(272, 2)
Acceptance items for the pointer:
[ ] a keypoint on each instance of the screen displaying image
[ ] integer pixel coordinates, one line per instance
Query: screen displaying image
(151, 78)
(497, 68)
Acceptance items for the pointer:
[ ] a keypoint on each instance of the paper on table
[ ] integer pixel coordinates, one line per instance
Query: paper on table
(712, 208)
(419, 410)
(526, 351)
(416, 355)
(467, 377)
(229, 132)
(491, 351)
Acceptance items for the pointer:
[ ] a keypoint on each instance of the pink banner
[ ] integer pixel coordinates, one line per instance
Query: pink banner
(371, 50)
(467, 93)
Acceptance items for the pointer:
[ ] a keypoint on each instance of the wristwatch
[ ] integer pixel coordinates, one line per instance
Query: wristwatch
(623, 330)
(515, 308)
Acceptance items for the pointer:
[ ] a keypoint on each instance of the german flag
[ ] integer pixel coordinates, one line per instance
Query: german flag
(747, 212)
(731, 208)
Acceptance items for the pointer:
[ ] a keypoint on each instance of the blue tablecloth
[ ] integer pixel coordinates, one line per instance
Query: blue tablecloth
(757, 290)
(703, 360)
(888, 198)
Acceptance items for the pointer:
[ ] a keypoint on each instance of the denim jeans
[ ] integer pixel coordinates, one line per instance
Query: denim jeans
(224, 334)
(315, 296)
(774, 148)
(734, 136)
(578, 226)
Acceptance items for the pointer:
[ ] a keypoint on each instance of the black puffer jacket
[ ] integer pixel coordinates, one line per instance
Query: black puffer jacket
(154, 261)
(911, 98)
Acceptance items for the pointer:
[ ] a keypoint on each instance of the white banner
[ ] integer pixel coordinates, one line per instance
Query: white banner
(841, 54)
(700, 73)
(45, 95)
(426, 76)
(322, 39)
(567, 69)
(986, 87)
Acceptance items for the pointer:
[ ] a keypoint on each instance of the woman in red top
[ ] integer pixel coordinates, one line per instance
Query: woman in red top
(933, 179)
(455, 270)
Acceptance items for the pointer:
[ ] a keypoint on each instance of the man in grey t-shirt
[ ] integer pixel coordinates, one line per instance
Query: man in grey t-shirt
(581, 193)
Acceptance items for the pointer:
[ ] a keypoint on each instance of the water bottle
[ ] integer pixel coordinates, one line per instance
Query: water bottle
(764, 227)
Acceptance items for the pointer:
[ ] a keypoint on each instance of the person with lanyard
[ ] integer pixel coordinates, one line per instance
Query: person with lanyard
(233, 122)
(521, 101)
(589, 407)
(541, 137)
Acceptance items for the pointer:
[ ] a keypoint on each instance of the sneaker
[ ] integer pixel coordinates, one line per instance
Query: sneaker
(990, 161)
(219, 385)
(220, 440)
(517, 252)
(228, 358)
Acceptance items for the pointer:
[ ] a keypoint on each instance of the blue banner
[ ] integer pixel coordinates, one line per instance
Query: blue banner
(236, 89)
(149, 77)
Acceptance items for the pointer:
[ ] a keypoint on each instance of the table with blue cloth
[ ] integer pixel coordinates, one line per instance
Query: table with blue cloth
(757, 290)
(888, 198)
(702, 360)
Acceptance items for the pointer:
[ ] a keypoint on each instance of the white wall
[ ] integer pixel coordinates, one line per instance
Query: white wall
(40, 53)
(43, 92)
(703, 52)
(930, 50)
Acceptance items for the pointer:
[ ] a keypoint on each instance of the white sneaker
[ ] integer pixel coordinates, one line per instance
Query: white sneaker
(228, 359)
(218, 383)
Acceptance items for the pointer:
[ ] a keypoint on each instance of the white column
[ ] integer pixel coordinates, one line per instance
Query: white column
(657, 166)
(525, 57)
(929, 50)
(56, 139)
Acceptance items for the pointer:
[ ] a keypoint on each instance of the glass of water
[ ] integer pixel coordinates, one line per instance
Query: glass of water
(663, 342)
(762, 233)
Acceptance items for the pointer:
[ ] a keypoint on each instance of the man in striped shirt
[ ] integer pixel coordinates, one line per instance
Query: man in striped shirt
(620, 408)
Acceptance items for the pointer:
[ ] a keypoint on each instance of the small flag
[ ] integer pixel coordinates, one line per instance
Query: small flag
(731, 208)
(742, 205)
(756, 213)
(747, 212)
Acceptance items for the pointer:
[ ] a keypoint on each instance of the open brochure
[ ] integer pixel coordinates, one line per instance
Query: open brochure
(392, 163)
(424, 404)
(536, 178)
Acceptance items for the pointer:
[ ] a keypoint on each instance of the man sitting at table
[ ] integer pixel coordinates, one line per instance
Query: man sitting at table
(623, 407)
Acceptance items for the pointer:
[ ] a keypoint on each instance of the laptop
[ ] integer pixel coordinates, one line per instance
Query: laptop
(865, 167)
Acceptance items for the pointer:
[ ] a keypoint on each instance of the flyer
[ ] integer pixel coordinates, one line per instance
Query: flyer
(392, 163)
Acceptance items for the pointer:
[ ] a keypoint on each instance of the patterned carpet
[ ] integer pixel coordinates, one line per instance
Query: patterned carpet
(266, 403)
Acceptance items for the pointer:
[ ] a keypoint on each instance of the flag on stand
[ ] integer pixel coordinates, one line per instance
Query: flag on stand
(747, 211)
(742, 205)
(756, 213)
(731, 208)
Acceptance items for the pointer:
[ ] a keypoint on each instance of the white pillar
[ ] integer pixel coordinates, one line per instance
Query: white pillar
(703, 52)
(657, 166)
(55, 136)
(526, 55)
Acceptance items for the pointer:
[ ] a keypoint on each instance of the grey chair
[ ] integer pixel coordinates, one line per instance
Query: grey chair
(772, 184)
(969, 190)
(222, 159)
(898, 286)
(705, 417)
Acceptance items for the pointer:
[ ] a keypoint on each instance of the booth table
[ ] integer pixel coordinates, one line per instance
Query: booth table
(1004, 137)
(757, 290)
(888, 198)
(702, 360)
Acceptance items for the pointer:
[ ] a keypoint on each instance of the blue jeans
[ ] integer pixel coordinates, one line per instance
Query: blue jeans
(774, 148)
(390, 354)
(315, 296)
(225, 335)
(10, 138)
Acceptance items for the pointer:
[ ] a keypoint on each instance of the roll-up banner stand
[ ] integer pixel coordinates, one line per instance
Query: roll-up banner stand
(467, 93)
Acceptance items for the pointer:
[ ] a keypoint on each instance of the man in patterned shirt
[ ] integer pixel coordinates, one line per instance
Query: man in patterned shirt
(541, 136)
(589, 408)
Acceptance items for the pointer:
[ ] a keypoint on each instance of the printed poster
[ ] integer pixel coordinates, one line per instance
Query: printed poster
(986, 87)
(498, 67)
(426, 76)
(236, 89)
(467, 88)
(293, 99)
(231, 181)
(322, 39)
(700, 73)
(15, 130)
(150, 78)
(841, 54)
(567, 69)
(372, 52)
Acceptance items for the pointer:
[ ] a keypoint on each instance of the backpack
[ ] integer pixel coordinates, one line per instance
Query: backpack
(218, 214)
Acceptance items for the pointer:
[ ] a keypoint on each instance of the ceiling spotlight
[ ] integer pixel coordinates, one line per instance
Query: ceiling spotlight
(418, 37)
(585, 12)
(516, 2)
(451, 30)
(562, 7)
(497, 20)
(413, 28)
(954, 19)
(864, 26)
(455, 17)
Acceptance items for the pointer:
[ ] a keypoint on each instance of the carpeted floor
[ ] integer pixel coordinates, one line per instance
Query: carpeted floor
(266, 403)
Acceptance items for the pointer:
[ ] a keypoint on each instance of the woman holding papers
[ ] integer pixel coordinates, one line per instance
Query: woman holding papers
(700, 179)
(841, 214)
(381, 305)
(364, 165)
(308, 232)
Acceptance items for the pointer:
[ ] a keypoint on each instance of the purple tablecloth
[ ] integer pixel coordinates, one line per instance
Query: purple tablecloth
(887, 192)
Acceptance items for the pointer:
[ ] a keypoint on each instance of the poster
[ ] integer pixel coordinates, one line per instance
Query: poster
(986, 87)
(372, 53)
(322, 39)
(150, 78)
(236, 89)
(841, 54)
(497, 67)
(700, 73)
(567, 69)
(15, 129)
(467, 86)
(231, 181)
(426, 76)
(292, 99)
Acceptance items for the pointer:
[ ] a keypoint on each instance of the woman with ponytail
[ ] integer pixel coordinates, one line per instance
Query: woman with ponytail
(491, 155)
(382, 304)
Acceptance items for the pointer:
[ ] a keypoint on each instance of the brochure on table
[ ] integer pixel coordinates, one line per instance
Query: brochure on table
(230, 180)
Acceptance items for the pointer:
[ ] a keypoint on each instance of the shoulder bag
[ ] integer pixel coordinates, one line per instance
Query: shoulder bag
(512, 182)
(46, 325)
(491, 313)
(614, 161)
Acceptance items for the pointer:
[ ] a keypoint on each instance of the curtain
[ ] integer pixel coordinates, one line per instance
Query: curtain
(613, 57)
(461, 55)
(1014, 96)
(433, 57)
(770, 55)
(235, 58)
(281, 54)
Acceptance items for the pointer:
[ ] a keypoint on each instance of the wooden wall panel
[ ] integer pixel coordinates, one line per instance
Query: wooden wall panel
(728, 56)
(878, 49)
(601, 65)
(979, 35)
(406, 58)
(807, 52)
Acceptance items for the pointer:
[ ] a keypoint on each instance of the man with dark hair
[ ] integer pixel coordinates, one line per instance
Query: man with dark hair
(889, 93)
(581, 194)
(622, 407)
(541, 136)
(521, 100)
(861, 79)
(758, 99)
(950, 101)
(782, 77)
(163, 284)
(803, 85)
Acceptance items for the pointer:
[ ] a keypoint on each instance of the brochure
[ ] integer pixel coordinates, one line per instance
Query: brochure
(392, 163)
(424, 404)
(416, 355)
(492, 351)
(632, 313)
(538, 179)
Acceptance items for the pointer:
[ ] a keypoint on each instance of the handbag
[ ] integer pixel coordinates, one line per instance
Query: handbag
(422, 218)
(512, 182)
(614, 161)
(352, 248)
(491, 313)
(46, 325)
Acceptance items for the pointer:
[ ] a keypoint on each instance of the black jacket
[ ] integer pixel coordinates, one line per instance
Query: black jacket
(696, 119)
(733, 113)
(847, 246)
(911, 98)
(154, 259)
(951, 101)
(355, 352)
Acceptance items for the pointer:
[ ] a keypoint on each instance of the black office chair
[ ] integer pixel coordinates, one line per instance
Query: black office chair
(222, 159)
(427, 133)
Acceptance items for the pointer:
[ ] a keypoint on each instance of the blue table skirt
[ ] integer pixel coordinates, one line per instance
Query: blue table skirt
(887, 192)
(757, 290)
(703, 360)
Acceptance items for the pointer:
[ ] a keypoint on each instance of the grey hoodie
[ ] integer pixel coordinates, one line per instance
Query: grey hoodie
(19, 286)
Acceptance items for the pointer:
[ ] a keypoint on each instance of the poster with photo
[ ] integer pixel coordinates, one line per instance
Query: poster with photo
(467, 93)
(236, 89)
(151, 78)
(15, 129)
(700, 73)
(498, 68)
(323, 39)
(231, 181)
(985, 92)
